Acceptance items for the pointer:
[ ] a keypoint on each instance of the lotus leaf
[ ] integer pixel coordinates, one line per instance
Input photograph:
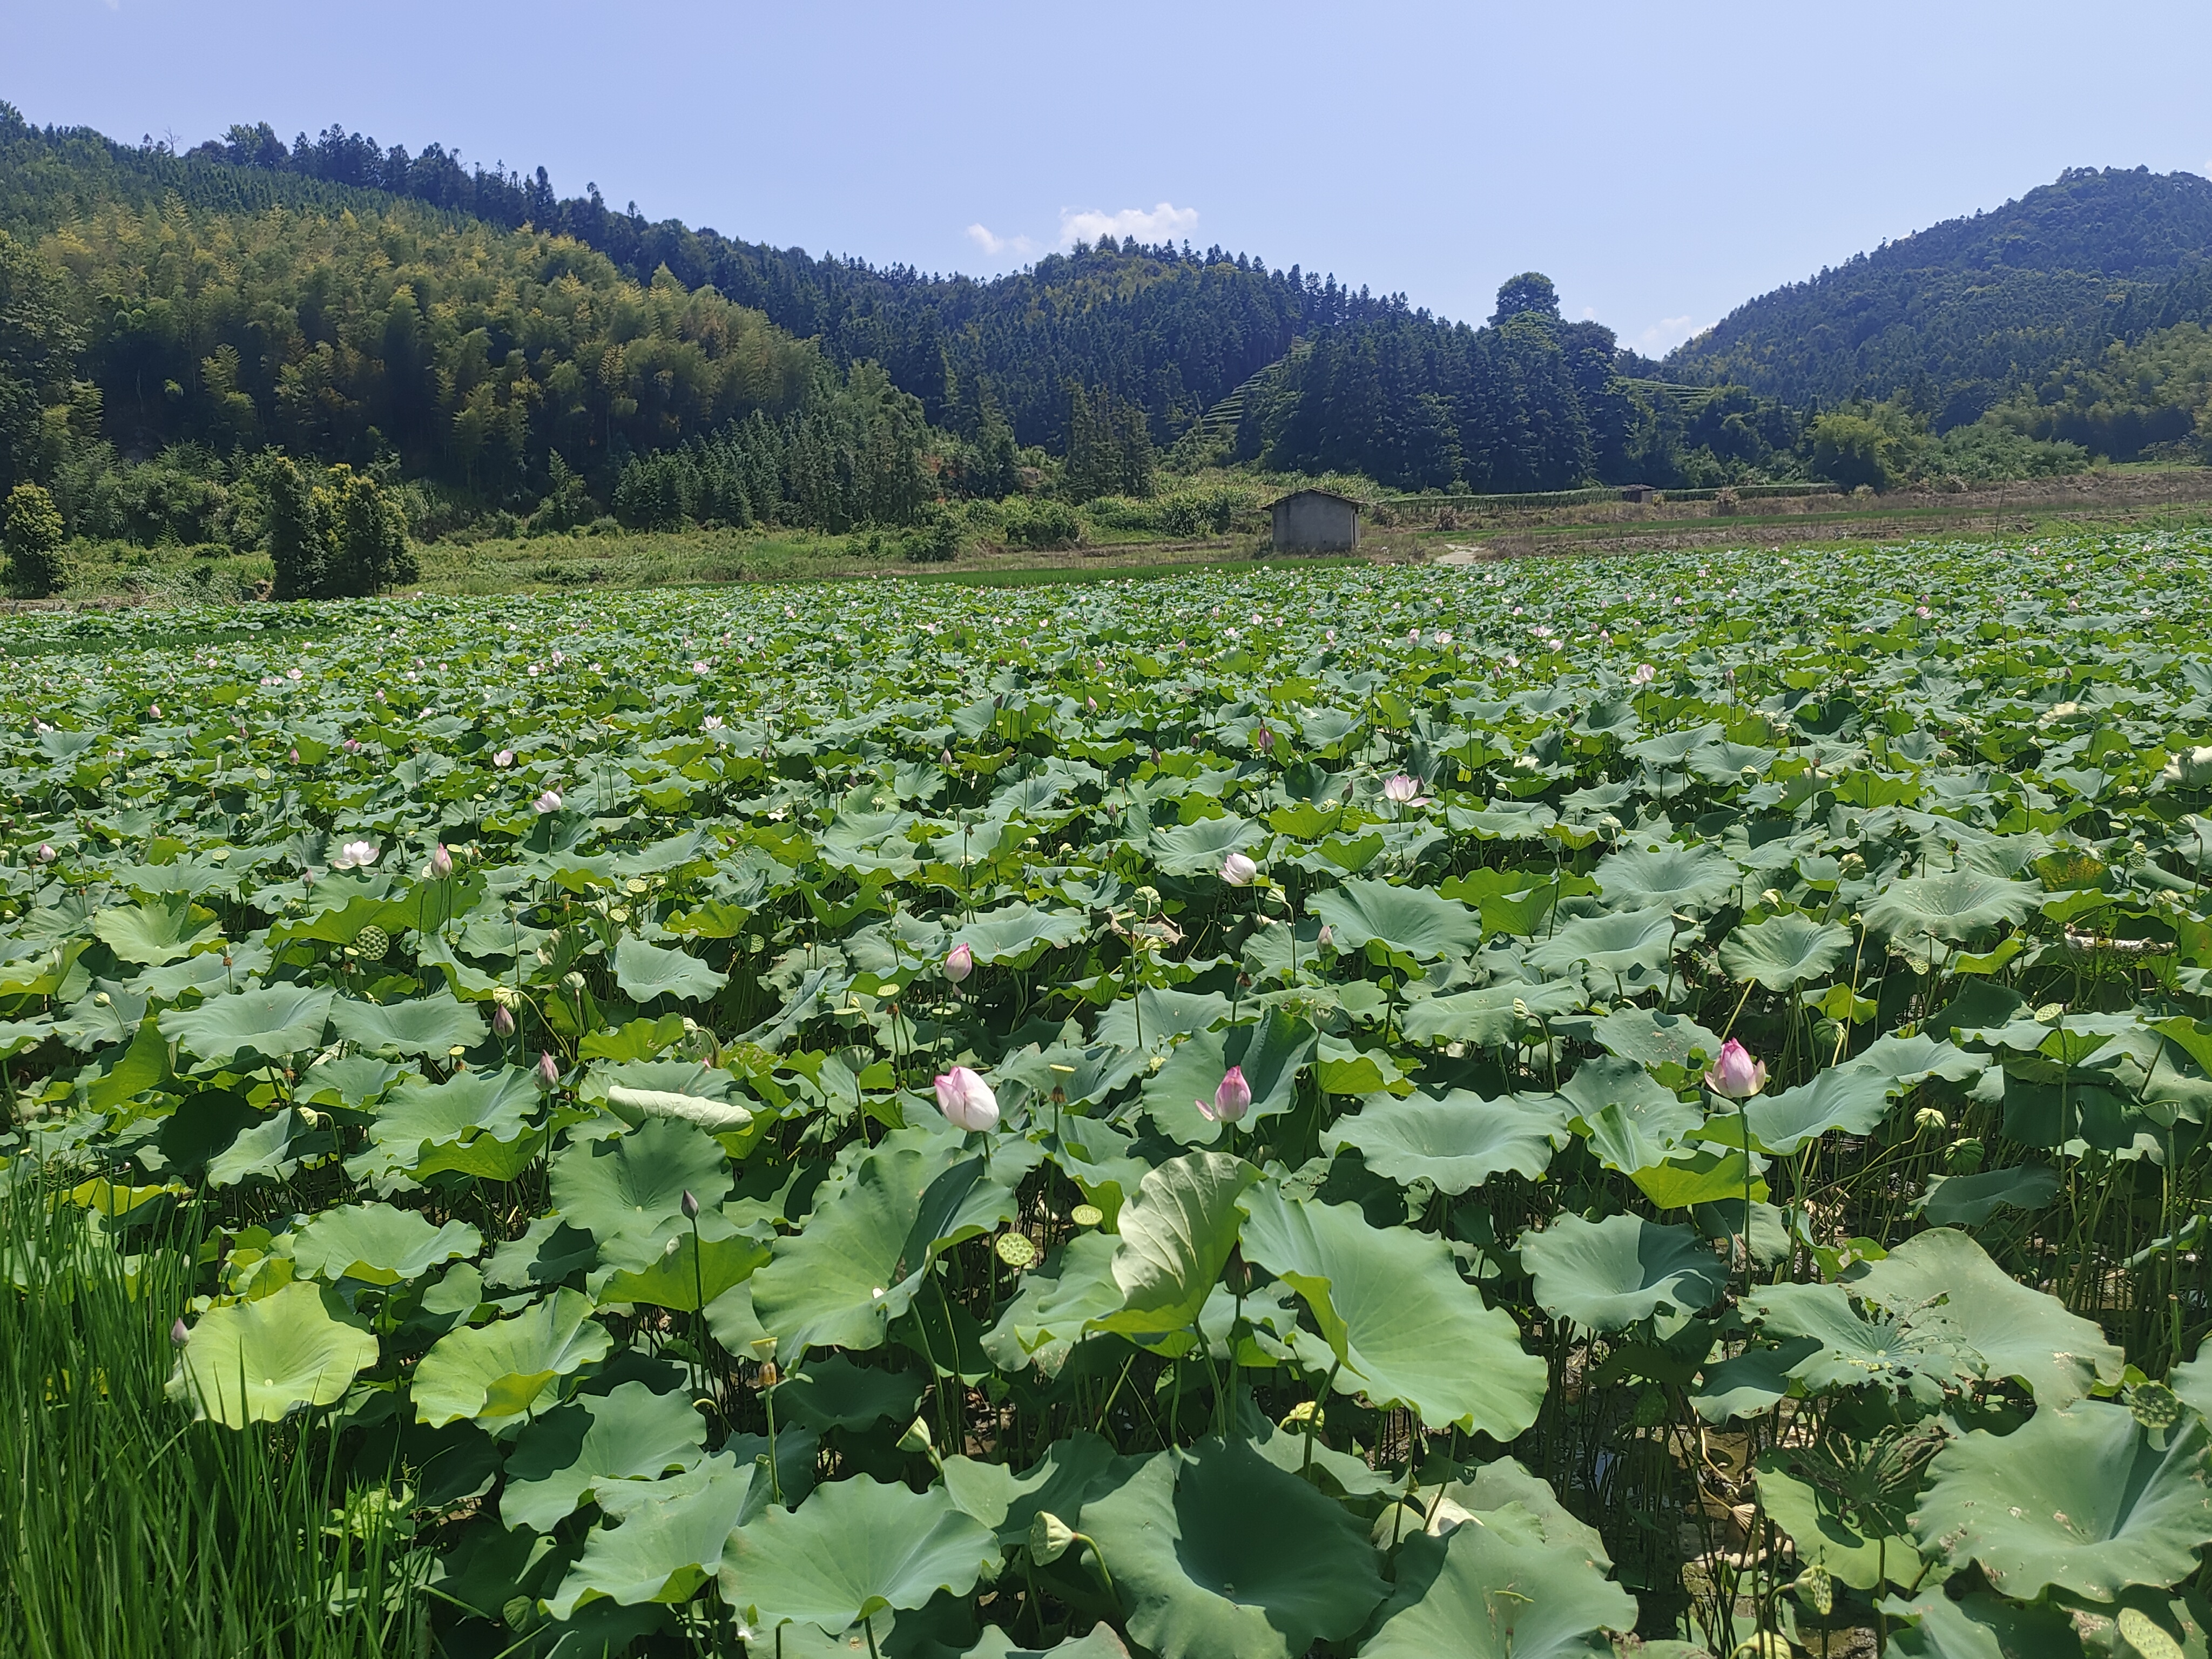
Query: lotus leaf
(256, 1362)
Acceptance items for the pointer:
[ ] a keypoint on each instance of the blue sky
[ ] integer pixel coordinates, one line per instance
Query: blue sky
(1662, 163)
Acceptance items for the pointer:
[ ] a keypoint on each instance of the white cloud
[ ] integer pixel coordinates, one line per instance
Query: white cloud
(1163, 223)
(1665, 334)
(994, 245)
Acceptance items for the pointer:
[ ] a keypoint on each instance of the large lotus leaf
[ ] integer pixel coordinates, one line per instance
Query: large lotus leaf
(1016, 935)
(500, 1370)
(1418, 921)
(669, 1536)
(1753, 1382)
(1507, 1483)
(1980, 1626)
(1605, 1275)
(425, 1025)
(1100, 1644)
(836, 1394)
(2193, 1381)
(646, 971)
(2079, 1499)
(1969, 1200)
(627, 1190)
(716, 1117)
(1945, 1284)
(1177, 1232)
(1650, 1037)
(1957, 907)
(1070, 1474)
(1154, 1018)
(156, 930)
(1854, 1097)
(865, 1250)
(1199, 849)
(269, 1149)
(852, 1550)
(276, 1022)
(1391, 1304)
(1677, 878)
(1815, 1519)
(254, 1362)
(1456, 1142)
(377, 1244)
(1785, 951)
(1633, 946)
(1615, 1080)
(1856, 1348)
(1489, 1016)
(628, 1433)
(1704, 1175)
(1216, 1553)
(1475, 1593)
(695, 1266)
(1270, 1051)
(471, 1117)
(1057, 1303)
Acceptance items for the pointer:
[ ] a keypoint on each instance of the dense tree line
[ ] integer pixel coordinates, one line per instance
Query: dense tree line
(1961, 316)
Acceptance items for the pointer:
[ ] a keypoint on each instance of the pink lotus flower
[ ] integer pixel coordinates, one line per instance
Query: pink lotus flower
(1735, 1075)
(1402, 790)
(504, 758)
(1238, 871)
(356, 855)
(959, 963)
(1230, 1101)
(967, 1100)
(1645, 674)
(549, 1072)
(548, 802)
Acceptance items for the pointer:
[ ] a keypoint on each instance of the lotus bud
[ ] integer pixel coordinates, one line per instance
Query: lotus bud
(46, 854)
(502, 1023)
(549, 1072)
(1238, 871)
(178, 1334)
(1327, 936)
(548, 802)
(967, 1100)
(1049, 1539)
(1231, 1100)
(959, 963)
(1735, 1075)
(690, 1205)
(504, 758)
(296, 757)
(1264, 739)
(441, 863)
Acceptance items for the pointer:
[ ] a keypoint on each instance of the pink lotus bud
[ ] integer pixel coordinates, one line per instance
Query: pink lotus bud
(690, 1207)
(1328, 936)
(353, 745)
(548, 802)
(1238, 871)
(549, 1072)
(178, 1334)
(967, 1100)
(959, 963)
(1264, 739)
(504, 758)
(945, 759)
(46, 854)
(296, 757)
(1230, 1101)
(502, 1022)
(155, 709)
(440, 865)
(1735, 1075)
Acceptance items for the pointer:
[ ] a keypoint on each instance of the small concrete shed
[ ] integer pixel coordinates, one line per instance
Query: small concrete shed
(1316, 521)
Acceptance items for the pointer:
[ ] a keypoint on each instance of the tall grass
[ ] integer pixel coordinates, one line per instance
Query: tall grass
(126, 1528)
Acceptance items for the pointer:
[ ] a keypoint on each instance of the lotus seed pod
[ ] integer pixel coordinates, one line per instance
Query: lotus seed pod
(1050, 1538)
(374, 943)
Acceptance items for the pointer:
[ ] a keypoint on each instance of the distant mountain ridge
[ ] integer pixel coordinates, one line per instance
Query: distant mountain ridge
(1964, 313)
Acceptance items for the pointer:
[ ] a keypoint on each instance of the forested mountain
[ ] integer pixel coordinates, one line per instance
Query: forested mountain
(1963, 315)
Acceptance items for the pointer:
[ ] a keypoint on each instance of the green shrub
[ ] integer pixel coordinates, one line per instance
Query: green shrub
(1042, 524)
(342, 538)
(32, 536)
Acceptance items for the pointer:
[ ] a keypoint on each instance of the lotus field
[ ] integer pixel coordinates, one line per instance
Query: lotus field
(1408, 1112)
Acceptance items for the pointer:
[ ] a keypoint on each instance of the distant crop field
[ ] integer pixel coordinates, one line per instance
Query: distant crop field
(1510, 1108)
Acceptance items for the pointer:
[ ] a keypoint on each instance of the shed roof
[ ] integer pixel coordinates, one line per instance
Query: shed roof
(1327, 495)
